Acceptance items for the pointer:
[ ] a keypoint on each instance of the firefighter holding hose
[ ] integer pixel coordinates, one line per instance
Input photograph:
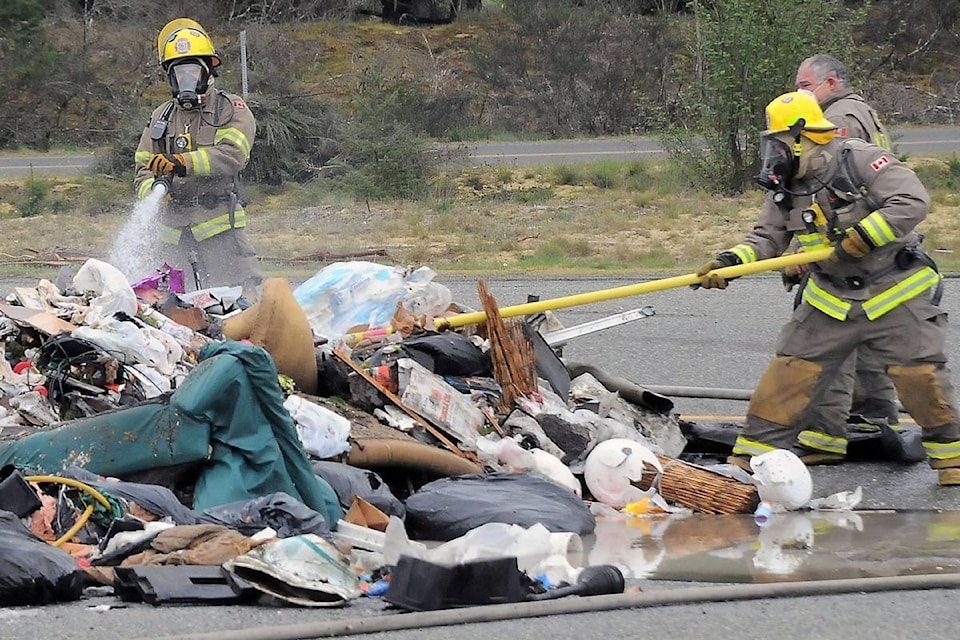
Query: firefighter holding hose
(195, 145)
(874, 290)
(862, 390)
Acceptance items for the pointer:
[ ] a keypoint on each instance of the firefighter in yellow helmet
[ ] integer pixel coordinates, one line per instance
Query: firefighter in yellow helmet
(862, 395)
(875, 290)
(197, 143)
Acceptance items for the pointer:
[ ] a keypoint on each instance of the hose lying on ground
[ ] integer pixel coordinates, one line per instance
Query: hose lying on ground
(85, 516)
(492, 613)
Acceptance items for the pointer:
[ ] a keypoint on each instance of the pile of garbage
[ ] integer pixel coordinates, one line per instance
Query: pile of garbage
(194, 447)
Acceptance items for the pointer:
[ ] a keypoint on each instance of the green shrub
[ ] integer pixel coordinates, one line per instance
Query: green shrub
(605, 175)
(380, 157)
(36, 194)
(567, 174)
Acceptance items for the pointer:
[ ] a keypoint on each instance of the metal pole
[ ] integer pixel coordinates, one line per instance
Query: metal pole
(243, 63)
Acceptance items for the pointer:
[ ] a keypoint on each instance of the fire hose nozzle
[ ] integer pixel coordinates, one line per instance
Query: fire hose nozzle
(161, 185)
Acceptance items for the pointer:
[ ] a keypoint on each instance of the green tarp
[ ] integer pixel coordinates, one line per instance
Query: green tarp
(227, 413)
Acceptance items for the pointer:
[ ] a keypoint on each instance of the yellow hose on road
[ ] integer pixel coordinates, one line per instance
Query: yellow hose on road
(625, 291)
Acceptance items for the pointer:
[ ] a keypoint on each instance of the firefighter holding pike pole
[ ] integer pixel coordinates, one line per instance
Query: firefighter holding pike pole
(874, 290)
(195, 146)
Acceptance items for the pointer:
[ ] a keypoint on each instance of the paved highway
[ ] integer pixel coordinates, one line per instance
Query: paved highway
(919, 140)
(45, 165)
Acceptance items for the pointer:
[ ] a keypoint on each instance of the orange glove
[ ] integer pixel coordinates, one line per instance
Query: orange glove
(165, 164)
(852, 246)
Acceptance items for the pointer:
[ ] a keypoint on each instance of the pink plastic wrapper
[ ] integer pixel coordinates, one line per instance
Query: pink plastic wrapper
(166, 278)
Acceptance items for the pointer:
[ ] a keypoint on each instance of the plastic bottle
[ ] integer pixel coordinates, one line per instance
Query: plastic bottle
(763, 513)
(431, 299)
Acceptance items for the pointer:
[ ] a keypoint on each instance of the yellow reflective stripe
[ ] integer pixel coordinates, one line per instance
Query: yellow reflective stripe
(235, 137)
(899, 293)
(169, 235)
(822, 442)
(747, 447)
(199, 162)
(214, 226)
(942, 450)
(882, 140)
(825, 302)
(812, 241)
(745, 252)
(142, 157)
(144, 189)
(878, 230)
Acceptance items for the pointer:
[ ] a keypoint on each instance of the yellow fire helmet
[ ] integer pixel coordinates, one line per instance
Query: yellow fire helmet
(785, 111)
(185, 38)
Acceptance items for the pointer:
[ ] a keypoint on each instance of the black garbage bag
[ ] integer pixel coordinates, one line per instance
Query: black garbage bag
(16, 494)
(450, 507)
(33, 571)
(351, 482)
(445, 354)
(279, 511)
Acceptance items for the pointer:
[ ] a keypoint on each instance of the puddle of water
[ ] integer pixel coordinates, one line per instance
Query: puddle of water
(819, 545)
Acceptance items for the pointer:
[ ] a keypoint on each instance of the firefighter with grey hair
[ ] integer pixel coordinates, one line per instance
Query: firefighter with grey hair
(196, 144)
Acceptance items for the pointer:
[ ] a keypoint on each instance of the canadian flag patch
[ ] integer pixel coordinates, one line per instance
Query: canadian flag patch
(879, 163)
(239, 104)
(843, 132)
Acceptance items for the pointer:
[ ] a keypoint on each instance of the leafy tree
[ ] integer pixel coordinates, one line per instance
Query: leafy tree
(748, 52)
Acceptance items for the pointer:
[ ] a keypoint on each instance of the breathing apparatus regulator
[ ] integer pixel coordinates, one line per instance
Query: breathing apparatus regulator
(189, 80)
(788, 118)
(186, 54)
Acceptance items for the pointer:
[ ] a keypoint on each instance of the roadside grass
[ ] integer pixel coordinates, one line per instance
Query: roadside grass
(603, 218)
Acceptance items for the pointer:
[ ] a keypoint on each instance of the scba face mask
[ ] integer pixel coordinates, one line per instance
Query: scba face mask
(779, 165)
(188, 82)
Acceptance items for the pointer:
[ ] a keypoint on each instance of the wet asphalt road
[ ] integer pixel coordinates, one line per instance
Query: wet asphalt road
(711, 339)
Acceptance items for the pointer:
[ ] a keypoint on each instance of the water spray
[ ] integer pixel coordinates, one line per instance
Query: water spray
(135, 251)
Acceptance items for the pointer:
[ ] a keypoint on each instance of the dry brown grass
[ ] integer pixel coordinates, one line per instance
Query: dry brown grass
(480, 222)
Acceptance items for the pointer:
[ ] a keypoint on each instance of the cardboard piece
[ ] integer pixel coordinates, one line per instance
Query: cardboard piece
(364, 514)
(30, 298)
(437, 401)
(39, 320)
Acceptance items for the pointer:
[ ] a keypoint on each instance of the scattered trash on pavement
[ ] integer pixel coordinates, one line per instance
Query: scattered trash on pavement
(305, 446)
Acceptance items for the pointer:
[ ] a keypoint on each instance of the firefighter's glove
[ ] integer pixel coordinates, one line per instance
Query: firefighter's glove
(165, 164)
(792, 276)
(712, 280)
(852, 246)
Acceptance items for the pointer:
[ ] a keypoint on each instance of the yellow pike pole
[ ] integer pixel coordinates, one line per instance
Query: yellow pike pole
(625, 291)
